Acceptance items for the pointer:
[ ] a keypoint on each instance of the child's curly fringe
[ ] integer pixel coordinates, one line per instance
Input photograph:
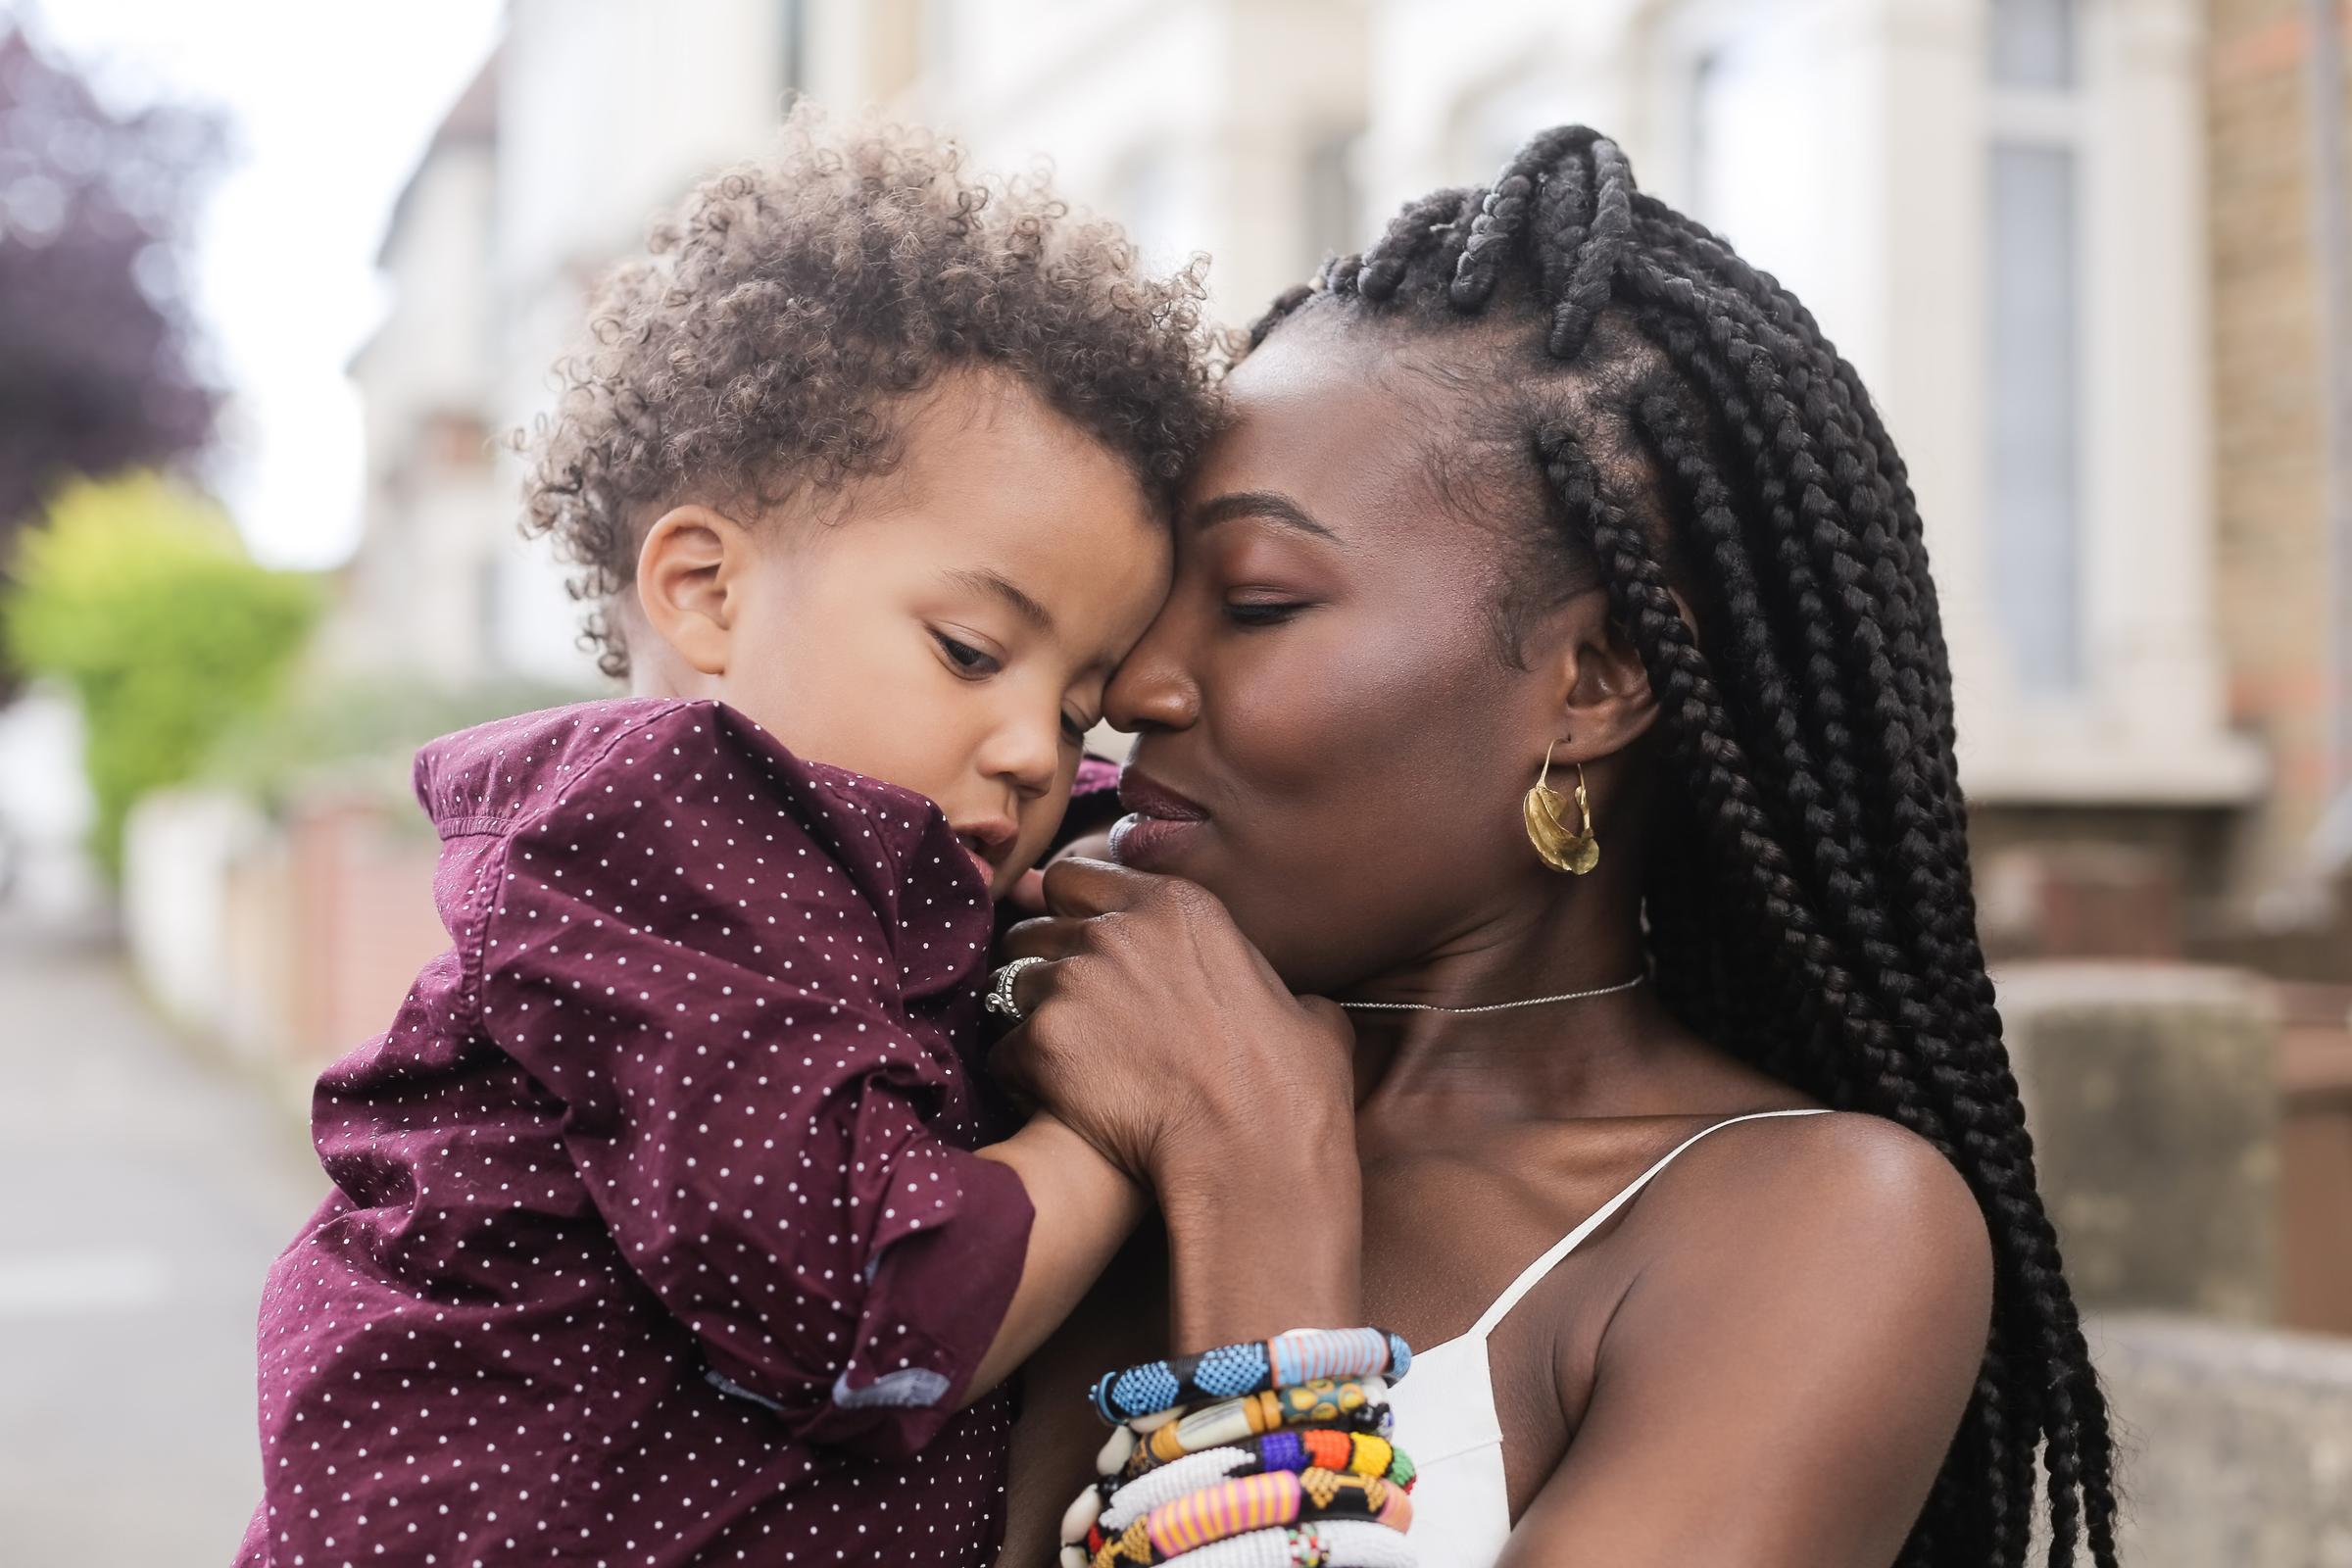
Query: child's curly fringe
(785, 310)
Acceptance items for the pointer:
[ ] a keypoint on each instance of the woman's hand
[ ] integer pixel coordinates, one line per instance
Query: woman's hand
(1157, 1033)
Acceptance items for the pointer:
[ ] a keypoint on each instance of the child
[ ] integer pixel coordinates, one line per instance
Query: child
(658, 1235)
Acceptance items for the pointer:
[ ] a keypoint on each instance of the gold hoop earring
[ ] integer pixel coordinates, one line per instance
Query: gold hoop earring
(1546, 811)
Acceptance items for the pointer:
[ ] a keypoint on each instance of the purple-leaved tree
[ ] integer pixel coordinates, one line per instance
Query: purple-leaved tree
(97, 346)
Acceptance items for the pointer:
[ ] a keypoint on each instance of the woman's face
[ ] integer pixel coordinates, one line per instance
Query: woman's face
(1332, 741)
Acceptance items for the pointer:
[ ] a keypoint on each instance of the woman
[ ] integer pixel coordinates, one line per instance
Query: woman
(1549, 485)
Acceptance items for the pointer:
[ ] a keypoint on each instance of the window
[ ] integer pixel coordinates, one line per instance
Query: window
(2033, 43)
(794, 20)
(1763, 135)
(2034, 383)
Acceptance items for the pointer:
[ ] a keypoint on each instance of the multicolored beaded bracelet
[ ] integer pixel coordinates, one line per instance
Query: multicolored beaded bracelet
(1302, 1356)
(1326, 1544)
(1359, 1404)
(1274, 1499)
(1117, 1504)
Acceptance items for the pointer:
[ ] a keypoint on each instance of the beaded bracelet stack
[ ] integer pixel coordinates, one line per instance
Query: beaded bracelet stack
(1285, 1361)
(1274, 1454)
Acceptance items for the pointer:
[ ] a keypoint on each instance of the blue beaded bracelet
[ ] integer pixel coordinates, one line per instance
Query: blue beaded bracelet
(1285, 1361)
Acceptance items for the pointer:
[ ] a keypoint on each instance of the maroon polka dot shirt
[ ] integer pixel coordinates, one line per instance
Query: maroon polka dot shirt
(656, 1238)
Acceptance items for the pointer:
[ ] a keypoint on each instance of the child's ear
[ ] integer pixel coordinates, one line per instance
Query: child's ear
(685, 573)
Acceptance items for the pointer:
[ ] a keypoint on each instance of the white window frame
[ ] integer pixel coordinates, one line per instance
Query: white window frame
(2056, 118)
(2146, 722)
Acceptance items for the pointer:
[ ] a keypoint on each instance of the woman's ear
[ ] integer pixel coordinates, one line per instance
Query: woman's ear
(1605, 699)
(686, 571)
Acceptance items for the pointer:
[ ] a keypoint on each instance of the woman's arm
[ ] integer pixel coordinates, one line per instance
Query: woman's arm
(1779, 1388)
(1156, 1030)
(1159, 1033)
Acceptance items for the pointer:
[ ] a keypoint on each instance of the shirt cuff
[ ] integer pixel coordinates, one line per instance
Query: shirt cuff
(937, 1298)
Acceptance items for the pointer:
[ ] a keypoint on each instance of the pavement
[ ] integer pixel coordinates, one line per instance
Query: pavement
(144, 1189)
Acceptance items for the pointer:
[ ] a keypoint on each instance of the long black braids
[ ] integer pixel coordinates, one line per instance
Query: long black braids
(1688, 429)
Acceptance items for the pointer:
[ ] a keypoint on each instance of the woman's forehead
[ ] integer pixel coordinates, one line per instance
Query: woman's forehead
(1311, 412)
(1350, 424)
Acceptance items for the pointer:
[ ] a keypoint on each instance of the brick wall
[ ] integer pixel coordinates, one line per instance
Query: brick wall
(2268, 410)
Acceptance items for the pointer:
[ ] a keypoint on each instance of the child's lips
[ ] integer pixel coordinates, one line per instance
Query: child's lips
(974, 846)
(989, 841)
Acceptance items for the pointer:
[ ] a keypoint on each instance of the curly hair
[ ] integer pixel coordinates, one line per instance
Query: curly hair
(1677, 422)
(763, 348)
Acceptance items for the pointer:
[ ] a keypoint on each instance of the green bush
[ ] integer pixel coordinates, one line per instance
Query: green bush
(137, 596)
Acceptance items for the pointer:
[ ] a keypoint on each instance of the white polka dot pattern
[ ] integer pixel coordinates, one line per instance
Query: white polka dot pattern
(656, 1238)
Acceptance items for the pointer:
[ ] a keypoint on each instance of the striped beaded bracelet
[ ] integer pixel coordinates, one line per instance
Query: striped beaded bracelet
(1325, 1543)
(1273, 1498)
(1116, 1503)
(1357, 1405)
(1302, 1356)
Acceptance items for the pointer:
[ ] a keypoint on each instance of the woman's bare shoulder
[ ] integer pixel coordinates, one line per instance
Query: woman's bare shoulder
(1839, 1184)
(1807, 1309)
(1842, 1216)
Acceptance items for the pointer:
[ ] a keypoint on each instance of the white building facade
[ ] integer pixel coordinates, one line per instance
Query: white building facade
(1995, 207)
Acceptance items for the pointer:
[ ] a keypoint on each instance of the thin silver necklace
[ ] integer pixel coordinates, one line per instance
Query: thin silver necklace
(1495, 1006)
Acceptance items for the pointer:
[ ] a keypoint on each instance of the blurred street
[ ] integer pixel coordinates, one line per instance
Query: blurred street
(143, 1192)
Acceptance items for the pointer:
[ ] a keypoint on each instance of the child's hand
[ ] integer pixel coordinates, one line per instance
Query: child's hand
(1028, 894)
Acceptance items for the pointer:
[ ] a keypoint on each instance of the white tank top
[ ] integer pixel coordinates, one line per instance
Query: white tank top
(1445, 1408)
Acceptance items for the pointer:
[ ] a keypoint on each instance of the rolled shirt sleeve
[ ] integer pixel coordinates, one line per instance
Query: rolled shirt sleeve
(744, 978)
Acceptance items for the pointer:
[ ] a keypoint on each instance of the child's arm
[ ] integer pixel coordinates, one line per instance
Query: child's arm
(1085, 1206)
(712, 997)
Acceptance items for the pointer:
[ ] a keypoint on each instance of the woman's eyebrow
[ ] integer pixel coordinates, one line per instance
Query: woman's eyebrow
(1268, 506)
(994, 584)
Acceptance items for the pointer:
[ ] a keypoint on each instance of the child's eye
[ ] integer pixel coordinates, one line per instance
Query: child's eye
(1261, 611)
(1074, 727)
(966, 660)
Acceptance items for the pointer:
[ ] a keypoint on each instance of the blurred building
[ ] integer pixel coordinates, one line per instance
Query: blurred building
(2066, 242)
(436, 570)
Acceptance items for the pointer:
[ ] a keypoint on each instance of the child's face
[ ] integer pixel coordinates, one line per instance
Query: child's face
(950, 628)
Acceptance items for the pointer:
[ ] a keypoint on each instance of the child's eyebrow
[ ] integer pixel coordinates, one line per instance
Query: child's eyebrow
(982, 580)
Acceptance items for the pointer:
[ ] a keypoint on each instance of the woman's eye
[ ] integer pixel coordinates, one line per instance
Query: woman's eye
(967, 660)
(1260, 611)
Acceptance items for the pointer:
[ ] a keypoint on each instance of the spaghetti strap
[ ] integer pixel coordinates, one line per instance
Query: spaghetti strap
(1534, 1272)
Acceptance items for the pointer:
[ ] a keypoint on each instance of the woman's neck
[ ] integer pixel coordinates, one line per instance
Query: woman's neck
(1604, 1054)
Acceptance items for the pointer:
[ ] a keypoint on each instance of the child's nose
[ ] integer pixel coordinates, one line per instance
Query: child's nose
(1026, 754)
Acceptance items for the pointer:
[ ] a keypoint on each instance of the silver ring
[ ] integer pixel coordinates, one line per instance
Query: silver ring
(999, 991)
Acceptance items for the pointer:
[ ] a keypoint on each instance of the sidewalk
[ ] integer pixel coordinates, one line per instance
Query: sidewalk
(143, 1193)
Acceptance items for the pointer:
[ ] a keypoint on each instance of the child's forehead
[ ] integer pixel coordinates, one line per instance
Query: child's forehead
(1053, 562)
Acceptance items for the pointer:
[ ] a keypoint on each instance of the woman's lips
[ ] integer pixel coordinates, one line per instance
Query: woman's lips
(1160, 824)
(1144, 842)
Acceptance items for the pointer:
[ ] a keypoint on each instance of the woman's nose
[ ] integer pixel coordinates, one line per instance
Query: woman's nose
(1154, 688)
